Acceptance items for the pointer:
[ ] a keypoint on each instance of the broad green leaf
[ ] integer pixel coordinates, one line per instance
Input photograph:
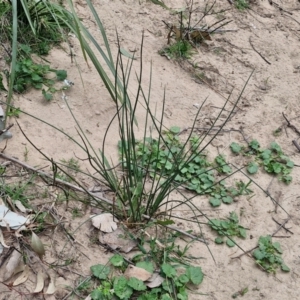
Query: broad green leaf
(277, 246)
(219, 240)
(117, 260)
(285, 268)
(182, 295)
(257, 254)
(290, 164)
(215, 202)
(175, 129)
(147, 265)
(121, 288)
(243, 232)
(277, 167)
(136, 284)
(183, 278)
(274, 146)
(227, 199)
(266, 154)
(230, 243)
(252, 167)
(235, 148)
(254, 144)
(100, 271)
(47, 96)
(61, 75)
(168, 270)
(36, 77)
(194, 274)
(234, 217)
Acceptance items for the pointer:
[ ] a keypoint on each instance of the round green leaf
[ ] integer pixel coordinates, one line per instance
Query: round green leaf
(195, 274)
(136, 284)
(100, 271)
(215, 202)
(230, 243)
(117, 260)
(219, 240)
(252, 167)
(175, 129)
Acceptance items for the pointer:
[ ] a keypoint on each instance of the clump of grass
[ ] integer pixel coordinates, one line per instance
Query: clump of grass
(241, 4)
(179, 49)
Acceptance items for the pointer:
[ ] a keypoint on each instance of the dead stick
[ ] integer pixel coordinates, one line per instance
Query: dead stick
(296, 145)
(92, 194)
(258, 52)
(282, 226)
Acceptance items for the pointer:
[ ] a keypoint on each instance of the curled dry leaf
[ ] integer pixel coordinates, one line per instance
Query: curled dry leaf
(117, 240)
(12, 264)
(89, 297)
(21, 207)
(137, 272)
(37, 245)
(106, 222)
(2, 240)
(40, 279)
(23, 277)
(155, 281)
(11, 219)
(51, 288)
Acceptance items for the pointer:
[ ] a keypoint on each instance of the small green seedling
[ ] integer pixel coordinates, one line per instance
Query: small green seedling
(228, 228)
(268, 255)
(241, 4)
(14, 112)
(272, 160)
(30, 74)
(169, 263)
(198, 174)
(180, 49)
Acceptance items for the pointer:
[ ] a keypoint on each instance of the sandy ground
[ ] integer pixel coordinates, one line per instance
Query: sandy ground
(264, 39)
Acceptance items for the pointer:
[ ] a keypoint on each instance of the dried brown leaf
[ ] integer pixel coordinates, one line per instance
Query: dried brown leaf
(137, 272)
(23, 277)
(40, 280)
(37, 245)
(12, 264)
(117, 240)
(155, 281)
(2, 239)
(105, 222)
(51, 288)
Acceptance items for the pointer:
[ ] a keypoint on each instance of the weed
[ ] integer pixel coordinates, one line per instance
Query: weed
(29, 74)
(277, 132)
(180, 49)
(14, 112)
(198, 174)
(241, 4)
(76, 212)
(228, 228)
(268, 255)
(26, 151)
(272, 159)
(17, 191)
(72, 164)
(84, 286)
(175, 277)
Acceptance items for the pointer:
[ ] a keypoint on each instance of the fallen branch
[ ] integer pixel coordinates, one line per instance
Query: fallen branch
(74, 187)
(258, 52)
